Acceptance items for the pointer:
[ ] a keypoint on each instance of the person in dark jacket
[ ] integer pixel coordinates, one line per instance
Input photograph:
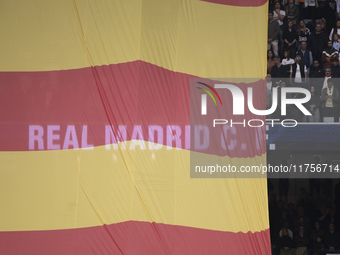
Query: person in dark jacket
(318, 246)
(303, 33)
(301, 241)
(331, 239)
(306, 55)
(298, 73)
(331, 14)
(289, 38)
(286, 244)
(316, 71)
(317, 232)
(317, 42)
(292, 11)
(278, 71)
(273, 34)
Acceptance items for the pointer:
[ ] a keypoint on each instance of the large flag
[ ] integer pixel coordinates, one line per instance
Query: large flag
(95, 127)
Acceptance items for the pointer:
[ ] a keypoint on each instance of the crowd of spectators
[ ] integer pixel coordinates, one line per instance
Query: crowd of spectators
(308, 227)
(303, 43)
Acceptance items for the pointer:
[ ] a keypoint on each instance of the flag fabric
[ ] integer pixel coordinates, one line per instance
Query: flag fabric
(95, 127)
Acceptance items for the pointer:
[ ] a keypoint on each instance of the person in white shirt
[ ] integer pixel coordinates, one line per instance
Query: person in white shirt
(298, 72)
(336, 32)
(287, 61)
(278, 14)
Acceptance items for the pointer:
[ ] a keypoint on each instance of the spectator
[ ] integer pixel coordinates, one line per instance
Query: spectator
(316, 71)
(273, 34)
(306, 55)
(322, 9)
(296, 2)
(290, 232)
(317, 42)
(298, 73)
(328, 75)
(336, 29)
(278, 71)
(272, 3)
(331, 15)
(292, 11)
(303, 33)
(311, 11)
(319, 247)
(301, 241)
(270, 60)
(329, 100)
(279, 15)
(336, 43)
(338, 9)
(317, 232)
(322, 23)
(304, 223)
(313, 107)
(286, 244)
(329, 54)
(324, 217)
(289, 38)
(287, 62)
(331, 239)
(301, 214)
(335, 69)
(269, 82)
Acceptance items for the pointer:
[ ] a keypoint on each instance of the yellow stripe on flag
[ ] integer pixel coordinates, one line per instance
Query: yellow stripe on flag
(191, 36)
(47, 190)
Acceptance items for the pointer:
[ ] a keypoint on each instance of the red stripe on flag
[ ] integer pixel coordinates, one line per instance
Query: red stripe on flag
(134, 238)
(243, 3)
(131, 94)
